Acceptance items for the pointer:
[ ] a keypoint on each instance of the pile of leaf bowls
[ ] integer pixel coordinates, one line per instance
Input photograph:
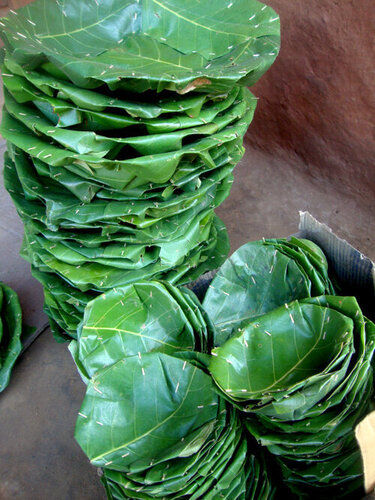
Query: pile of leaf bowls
(119, 151)
(255, 393)
(151, 417)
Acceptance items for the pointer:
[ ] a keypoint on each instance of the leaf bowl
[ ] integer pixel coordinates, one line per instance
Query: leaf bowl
(146, 44)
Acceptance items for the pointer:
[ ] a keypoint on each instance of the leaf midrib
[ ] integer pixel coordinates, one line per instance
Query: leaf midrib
(154, 428)
(195, 23)
(120, 330)
(301, 359)
(85, 28)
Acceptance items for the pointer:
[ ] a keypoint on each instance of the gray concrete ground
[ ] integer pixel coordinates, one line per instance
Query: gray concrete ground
(39, 458)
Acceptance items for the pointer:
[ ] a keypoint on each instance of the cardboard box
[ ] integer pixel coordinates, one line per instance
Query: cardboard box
(355, 272)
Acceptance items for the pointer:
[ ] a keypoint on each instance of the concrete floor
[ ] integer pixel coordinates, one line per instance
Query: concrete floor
(39, 458)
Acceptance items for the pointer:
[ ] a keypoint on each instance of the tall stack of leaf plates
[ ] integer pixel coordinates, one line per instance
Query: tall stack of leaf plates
(124, 121)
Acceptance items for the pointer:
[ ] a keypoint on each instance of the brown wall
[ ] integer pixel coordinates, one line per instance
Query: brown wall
(317, 101)
(16, 4)
(5, 5)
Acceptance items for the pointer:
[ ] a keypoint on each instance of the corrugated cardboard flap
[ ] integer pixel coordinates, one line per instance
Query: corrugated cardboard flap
(354, 271)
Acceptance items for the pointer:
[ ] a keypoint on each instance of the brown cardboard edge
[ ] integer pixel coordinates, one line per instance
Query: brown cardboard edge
(365, 434)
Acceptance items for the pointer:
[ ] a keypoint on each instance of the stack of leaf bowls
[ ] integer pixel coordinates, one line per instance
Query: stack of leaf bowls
(152, 418)
(255, 393)
(295, 359)
(124, 121)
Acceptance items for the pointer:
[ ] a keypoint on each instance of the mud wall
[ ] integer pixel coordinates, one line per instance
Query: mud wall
(317, 101)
